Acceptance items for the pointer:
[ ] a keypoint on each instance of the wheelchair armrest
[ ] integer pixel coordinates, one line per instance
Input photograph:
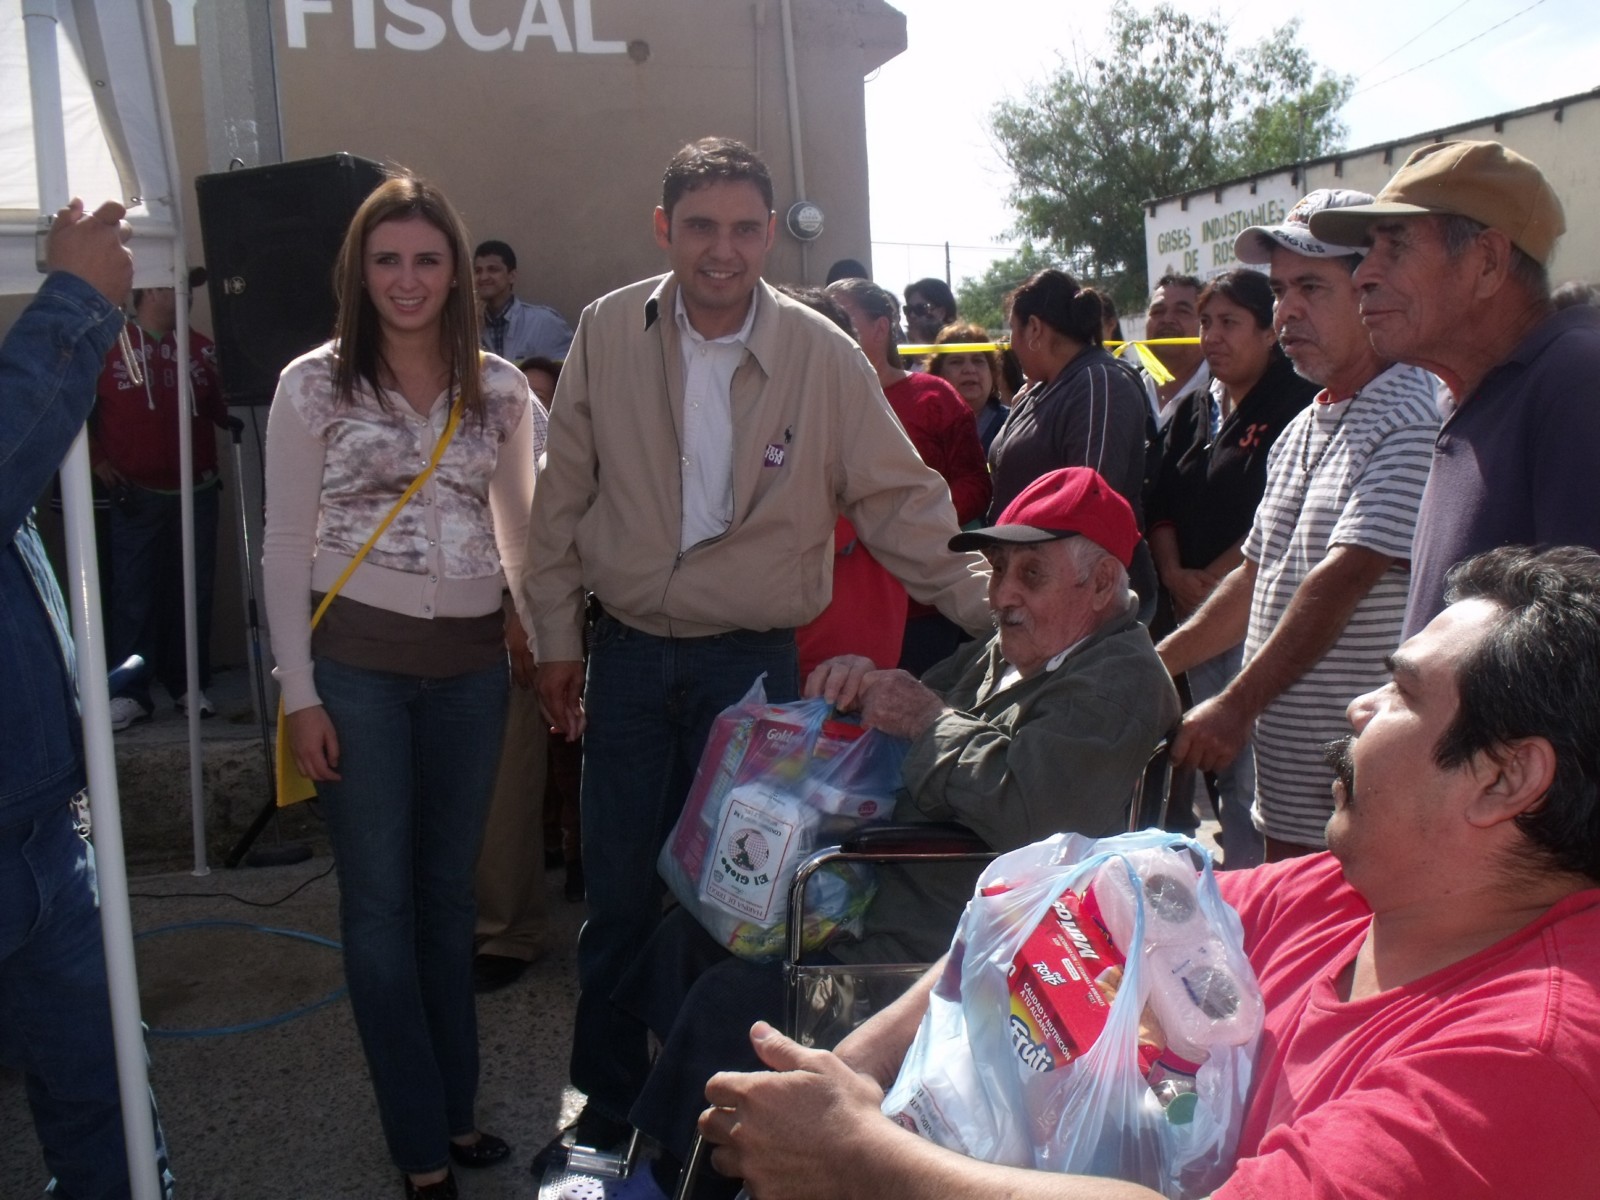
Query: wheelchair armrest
(940, 837)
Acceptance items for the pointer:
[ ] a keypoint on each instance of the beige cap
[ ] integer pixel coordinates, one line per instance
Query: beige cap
(1481, 180)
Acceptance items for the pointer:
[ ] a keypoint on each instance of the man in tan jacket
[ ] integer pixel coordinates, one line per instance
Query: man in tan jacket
(706, 434)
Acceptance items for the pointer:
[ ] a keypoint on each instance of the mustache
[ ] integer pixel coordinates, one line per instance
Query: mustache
(1342, 763)
(999, 616)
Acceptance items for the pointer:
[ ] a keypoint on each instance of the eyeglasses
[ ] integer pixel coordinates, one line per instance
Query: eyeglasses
(923, 310)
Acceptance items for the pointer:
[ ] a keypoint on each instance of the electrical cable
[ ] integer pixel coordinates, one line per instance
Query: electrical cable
(1411, 39)
(263, 1022)
(1447, 53)
(323, 874)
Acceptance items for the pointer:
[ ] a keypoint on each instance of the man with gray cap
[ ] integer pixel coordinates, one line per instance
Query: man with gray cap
(1321, 592)
(1457, 281)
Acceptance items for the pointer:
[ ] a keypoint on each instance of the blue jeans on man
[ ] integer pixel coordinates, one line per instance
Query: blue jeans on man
(54, 1006)
(418, 759)
(1242, 843)
(650, 702)
(147, 585)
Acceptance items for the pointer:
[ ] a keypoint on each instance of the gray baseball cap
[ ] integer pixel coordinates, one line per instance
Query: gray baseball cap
(1255, 244)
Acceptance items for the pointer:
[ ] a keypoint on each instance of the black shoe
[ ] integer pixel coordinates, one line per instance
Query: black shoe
(485, 1152)
(572, 888)
(491, 972)
(445, 1189)
(593, 1129)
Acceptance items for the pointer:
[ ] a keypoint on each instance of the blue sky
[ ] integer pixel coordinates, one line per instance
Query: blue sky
(936, 177)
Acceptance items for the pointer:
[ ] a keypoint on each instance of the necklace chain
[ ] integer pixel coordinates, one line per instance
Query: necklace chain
(1307, 467)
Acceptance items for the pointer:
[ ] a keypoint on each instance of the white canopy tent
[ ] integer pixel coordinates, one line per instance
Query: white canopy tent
(83, 113)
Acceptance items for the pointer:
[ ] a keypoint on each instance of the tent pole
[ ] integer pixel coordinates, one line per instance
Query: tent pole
(191, 622)
(116, 924)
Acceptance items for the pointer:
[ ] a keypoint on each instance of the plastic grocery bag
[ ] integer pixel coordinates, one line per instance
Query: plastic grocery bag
(1097, 1016)
(775, 783)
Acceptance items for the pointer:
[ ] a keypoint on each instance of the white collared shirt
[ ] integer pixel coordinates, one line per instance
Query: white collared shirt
(707, 465)
(1162, 412)
(1011, 675)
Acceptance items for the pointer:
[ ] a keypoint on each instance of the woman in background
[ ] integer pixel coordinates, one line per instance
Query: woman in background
(942, 428)
(976, 376)
(1080, 408)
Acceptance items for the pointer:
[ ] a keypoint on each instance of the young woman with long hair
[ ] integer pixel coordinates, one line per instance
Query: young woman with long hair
(397, 698)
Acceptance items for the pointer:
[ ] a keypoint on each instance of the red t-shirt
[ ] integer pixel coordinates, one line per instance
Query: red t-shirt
(1479, 1081)
(135, 425)
(942, 427)
(867, 614)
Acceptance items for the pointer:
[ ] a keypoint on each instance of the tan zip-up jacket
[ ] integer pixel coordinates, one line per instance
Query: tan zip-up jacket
(812, 437)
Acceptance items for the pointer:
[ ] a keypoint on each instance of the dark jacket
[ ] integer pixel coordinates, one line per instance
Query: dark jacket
(1208, 488)
(1092, 414)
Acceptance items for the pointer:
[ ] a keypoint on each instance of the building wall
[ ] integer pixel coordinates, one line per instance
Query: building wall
(555, 138)
(1194, 232)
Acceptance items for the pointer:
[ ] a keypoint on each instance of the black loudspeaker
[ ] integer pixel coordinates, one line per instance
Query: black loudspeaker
(271, 236)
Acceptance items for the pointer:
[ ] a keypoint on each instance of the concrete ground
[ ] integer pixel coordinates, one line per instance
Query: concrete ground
(285, 1109)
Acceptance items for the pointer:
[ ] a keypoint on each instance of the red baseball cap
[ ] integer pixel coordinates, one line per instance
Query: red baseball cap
(1071, 502)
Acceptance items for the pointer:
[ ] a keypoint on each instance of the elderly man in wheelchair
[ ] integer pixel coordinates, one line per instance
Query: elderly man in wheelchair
(1045, 727)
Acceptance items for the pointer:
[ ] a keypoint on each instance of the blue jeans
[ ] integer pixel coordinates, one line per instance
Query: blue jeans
(418, 760)
(650, 702)
(55, 1013)
(147, 584)
(1242, 844)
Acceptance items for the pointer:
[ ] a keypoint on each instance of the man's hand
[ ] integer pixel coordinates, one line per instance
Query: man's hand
(1212, 734)
(108, 475)
(889, 700)
(523, 667)
(560, 687)
(838, 680)
(314, 743)
(897, 704)
(776, 1131)
(93, 247)
(1190, 588)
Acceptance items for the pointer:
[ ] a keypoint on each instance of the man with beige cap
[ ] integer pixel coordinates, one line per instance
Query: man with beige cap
(1457, 282)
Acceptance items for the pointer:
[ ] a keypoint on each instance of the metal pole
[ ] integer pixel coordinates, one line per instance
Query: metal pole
(180, 280)
(794, 118)
(191, 618)
(116, 923)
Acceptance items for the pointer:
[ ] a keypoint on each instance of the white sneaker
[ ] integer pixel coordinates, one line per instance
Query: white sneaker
(126, 711)
(207, 709)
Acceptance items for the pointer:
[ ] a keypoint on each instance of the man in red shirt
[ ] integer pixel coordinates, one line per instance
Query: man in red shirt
(133, 444)
(1432, 984)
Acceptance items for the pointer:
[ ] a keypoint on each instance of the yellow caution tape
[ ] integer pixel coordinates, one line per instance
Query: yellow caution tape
(1141, 349)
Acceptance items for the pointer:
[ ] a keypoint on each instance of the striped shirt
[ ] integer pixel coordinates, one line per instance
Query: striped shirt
(1345, 474)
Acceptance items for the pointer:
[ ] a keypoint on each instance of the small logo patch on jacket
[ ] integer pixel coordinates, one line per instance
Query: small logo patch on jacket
(774, 455)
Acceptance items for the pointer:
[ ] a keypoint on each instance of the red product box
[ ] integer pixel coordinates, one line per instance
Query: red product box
(1057, 1007)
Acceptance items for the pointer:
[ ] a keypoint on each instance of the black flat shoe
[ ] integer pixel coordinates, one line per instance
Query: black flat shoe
(485, 1152)
(445, 1189)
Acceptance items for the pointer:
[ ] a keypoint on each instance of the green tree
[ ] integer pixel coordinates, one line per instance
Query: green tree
(981, 300)
(1170, 107)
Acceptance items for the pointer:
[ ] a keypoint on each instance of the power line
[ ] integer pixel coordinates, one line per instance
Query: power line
(1446, 54)
(1411, 39)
